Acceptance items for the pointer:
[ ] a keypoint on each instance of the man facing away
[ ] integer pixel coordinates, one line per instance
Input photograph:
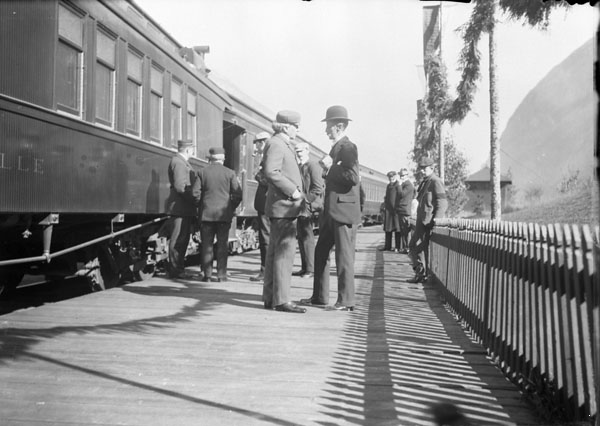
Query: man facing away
(431, 196)
(218, 192)
(181, 207)
(284, 201)
(264, 225)
(407, 194)
(341, 215)
(312, 186)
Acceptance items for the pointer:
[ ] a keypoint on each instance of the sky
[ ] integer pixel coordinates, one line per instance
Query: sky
(367, 56)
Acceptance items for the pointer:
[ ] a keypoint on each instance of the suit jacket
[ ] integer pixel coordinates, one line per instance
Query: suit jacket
(407, 193)
(391, 218)
(342, 189)
(218, 192)
(313, 186)
(181, 178)
(432, 200)
(283, 174)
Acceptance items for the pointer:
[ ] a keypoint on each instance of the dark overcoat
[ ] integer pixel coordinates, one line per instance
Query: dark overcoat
(218, 192)
(181, 177)
(391, 218)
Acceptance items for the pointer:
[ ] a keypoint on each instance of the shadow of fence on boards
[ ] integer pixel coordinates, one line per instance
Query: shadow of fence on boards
(530, 294)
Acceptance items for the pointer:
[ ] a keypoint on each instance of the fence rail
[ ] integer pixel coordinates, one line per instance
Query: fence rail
(530, 294)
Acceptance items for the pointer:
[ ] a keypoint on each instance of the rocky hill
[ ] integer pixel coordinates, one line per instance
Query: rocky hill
(551, 135)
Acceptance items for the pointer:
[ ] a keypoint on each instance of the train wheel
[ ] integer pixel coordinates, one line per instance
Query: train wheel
(9, 280)
(145, 273)
(103, 271)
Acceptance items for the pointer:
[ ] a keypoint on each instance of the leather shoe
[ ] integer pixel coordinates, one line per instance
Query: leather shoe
(311, 302)
(258, 277)
(307, 275)
(222, 279)
(417, 279)
(290, 307)
(299, 273)
(337, 307)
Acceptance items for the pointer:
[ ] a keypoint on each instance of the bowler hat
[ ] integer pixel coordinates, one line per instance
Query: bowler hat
(425, 162)
(261, 136)
(288, 117)
(403, 172)
(336, 112)
(392, 173)
(217, 152)
(184, 144)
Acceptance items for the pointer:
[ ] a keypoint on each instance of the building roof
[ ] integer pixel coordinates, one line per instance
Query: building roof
(484, 175)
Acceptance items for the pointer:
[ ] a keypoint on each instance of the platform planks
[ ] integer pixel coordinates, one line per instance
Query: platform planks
(190, 353)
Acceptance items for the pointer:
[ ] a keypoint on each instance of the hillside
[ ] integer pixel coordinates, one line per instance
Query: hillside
(552, 132)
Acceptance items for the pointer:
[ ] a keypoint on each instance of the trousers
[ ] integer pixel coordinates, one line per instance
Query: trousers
(280, 261)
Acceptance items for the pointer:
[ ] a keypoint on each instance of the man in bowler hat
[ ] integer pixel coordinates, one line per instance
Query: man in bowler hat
(341, 215)
(391, 219)
(260, 197)
(181, 207)
(431, 196)
(218, 192)
(284, 201)
(312, 186)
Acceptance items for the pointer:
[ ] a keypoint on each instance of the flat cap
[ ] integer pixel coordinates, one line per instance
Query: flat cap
(425, 162)
(288, 117)
(403, 172)
(216, 152)
(261, 136)
(302, 146)
(392, 173)
(184, 144)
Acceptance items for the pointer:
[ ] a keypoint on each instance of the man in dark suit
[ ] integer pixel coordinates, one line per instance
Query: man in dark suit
(433, 203)
(218, 192)
(181, 207)
(312, 186)
(404, 208)
(341, 215)
(264, 225)
(284, 201)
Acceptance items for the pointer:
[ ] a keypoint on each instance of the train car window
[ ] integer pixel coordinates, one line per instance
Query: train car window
(105, 79)
(175, 111)
(69, 62)
(156, 104)
(192, 121)
(133, 94)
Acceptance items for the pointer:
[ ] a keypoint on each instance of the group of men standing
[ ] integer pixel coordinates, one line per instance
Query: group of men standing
(210, 195)
(297, 188)
(292, 189)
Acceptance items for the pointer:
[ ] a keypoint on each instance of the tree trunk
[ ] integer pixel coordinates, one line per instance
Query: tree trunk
(494, 142)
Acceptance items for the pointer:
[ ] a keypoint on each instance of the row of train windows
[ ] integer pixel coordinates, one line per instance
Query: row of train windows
(70, 77)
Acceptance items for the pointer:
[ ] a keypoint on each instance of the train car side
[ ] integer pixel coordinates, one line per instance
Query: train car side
(89, 117)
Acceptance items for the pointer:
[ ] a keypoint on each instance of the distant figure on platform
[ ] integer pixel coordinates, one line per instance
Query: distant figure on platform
(391, 218)
(264, 224)
(284, 201)
(181, 207)
(218, 192)
(340, 217)
(431, 196)
(407, 194)
(312, 186)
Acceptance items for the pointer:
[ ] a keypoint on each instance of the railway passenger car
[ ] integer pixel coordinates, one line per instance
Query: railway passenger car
(93, 98)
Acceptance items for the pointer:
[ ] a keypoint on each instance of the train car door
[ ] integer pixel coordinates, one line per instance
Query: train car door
(234, 144)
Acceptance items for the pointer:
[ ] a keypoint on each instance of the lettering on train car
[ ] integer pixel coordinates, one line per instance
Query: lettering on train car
(22, 164)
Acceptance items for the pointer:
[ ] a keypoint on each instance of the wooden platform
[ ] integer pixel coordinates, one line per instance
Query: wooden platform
(164, 352)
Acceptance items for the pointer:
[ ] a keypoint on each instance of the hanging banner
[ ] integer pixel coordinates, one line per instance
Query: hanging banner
(431, 31)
